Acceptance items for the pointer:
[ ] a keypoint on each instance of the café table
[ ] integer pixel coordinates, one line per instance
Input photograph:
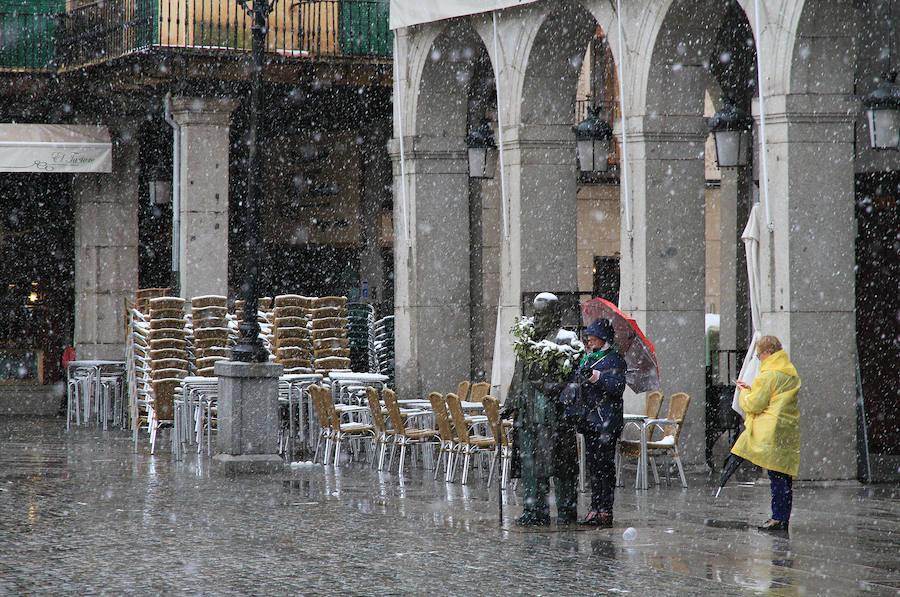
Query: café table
(296, 385)
(640, 481)
(94, 372)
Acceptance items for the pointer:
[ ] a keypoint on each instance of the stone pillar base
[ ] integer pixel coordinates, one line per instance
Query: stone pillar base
(248, 416)
(247, 463)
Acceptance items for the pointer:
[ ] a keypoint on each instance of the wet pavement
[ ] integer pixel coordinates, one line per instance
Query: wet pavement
(81, 514)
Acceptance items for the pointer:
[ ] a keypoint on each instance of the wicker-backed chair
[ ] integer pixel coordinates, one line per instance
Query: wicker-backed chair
(449, 444)
(479, 391)
(383, 435)
(404, 435)
(667, 445)
(469, 443)
(498, 426)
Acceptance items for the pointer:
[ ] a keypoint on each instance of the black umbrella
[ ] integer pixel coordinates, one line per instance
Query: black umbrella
(732, 463)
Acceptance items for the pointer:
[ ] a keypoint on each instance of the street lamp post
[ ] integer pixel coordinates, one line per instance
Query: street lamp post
(250, 348)
(248, 412)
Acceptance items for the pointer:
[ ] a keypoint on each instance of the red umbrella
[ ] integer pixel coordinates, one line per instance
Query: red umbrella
(639, 353)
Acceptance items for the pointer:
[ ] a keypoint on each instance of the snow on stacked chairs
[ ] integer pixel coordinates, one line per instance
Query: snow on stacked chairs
(329, 323)
(266, 324)
(137, 358)
(384, 347)
(213, 338)
(291, 335)
(361, 317)
(169, 359)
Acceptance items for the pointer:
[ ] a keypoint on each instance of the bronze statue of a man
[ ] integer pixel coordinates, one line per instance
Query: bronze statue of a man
(547, 443)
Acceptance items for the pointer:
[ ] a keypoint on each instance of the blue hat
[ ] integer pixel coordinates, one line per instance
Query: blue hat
(602, 329)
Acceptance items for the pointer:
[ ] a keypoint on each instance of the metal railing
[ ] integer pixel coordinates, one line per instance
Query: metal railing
(103, 30)
(26, 37)
(109, 29)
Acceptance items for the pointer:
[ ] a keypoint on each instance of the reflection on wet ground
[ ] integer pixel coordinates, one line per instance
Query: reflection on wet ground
(80, 513)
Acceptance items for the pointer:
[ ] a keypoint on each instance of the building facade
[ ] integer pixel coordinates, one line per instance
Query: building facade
(828, 202)
(167, 84)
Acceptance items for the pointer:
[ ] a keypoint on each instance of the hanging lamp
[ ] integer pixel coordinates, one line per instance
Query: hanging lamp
(482, 151)
(730, 127)
(593, 136)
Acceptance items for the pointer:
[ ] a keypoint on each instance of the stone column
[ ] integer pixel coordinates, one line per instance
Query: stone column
(375, 181)
(539, 251)
(106, 249)
(808, 258)
(247, 438)
(432, 268)
(733, 299)
(203, 237)
(663, 260)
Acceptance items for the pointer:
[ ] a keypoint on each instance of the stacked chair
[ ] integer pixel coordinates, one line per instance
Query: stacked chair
(142, 298)
(213, 337)
(291, 336)
(384, 347)
(329, 324)
(169, 360)
(266, 323)
(361, 317)
(137, 365)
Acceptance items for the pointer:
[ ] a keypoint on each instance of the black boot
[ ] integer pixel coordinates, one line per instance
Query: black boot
(530, 519)
(566, 518)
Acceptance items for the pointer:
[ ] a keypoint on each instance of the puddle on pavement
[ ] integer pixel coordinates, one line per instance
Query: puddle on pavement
(737, 525)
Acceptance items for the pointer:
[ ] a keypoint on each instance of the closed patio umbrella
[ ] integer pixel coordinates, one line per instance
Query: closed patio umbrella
(750, 366)
(732, 463)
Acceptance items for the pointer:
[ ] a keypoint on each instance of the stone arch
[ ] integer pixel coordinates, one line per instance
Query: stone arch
(446, 73)
(546, 170)
(433, 287)
(664, 259)
(808, 297)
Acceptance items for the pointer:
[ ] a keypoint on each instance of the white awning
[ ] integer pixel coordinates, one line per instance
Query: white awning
(57, 148)
(412, 12)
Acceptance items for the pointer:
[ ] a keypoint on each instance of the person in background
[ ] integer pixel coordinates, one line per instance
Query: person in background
(771, 437)
(597, 412)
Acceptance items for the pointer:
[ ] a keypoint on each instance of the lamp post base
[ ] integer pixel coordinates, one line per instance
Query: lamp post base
(247, 463)
(248, 416)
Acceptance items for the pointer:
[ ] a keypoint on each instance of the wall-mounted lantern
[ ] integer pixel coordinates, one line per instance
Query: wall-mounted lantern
(593, 137)
(730, 127)
(482, 151)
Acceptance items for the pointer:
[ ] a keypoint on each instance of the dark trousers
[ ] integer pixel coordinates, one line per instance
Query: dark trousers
(600, 457)
(782, 495)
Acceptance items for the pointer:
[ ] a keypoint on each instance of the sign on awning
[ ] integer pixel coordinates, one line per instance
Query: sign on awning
(54, 148)
(405, 13)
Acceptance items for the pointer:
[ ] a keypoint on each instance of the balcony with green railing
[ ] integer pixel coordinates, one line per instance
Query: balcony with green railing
(44, 35)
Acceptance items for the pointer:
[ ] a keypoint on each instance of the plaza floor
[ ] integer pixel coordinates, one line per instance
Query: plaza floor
(82, 514)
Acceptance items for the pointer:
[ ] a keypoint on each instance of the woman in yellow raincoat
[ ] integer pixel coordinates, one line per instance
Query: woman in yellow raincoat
(771, 438)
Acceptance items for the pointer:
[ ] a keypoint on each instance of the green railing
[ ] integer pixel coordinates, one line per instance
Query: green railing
(109, 29)
(27, 33)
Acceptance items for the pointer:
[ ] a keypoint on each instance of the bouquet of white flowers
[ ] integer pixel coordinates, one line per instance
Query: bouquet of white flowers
(555, 359)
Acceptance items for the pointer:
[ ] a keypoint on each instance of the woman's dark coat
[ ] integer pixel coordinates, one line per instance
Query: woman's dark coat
(597, 407)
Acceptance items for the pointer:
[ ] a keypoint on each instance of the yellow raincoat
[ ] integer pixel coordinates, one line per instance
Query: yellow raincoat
(771, 438)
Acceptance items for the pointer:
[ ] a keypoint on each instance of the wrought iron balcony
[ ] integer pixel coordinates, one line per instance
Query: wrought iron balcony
(108, 29)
